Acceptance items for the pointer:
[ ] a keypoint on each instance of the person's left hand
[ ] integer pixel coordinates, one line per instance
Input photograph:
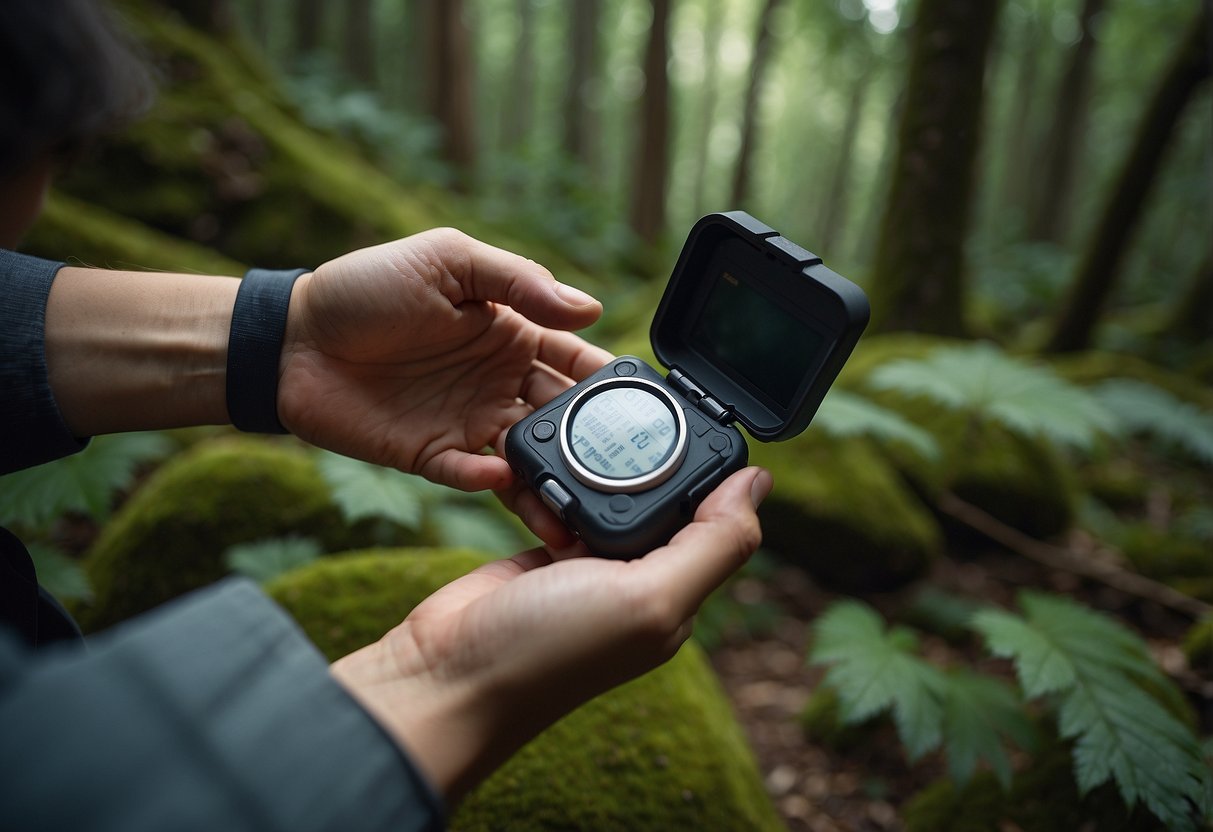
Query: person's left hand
(420, 353)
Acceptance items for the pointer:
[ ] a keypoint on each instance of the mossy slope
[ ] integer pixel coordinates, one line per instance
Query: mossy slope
(660, 753)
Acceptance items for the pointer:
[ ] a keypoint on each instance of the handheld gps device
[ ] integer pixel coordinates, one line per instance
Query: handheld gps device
(752, 328)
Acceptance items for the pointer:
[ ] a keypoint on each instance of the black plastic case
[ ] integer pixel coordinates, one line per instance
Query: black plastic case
(721, 371)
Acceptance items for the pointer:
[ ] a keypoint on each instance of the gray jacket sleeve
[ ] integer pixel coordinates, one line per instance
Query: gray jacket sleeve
(214, 712)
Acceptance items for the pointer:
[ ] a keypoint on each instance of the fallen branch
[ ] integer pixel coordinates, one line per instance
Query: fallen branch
(1056, 557)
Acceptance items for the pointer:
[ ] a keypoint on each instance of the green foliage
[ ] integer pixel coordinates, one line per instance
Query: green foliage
(1198, 648)
(848, 414)
(740, 607)
(265, 560)
(60, 575)
(362, 490)
(85, 482)
(875, 670)
(1144, 408)
(984, 382)
(1105, 685)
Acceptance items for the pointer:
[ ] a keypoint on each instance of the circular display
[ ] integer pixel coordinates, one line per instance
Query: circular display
(623, 435)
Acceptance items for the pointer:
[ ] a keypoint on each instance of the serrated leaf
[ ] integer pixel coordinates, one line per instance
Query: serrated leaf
(85, 482)
(265, 560)
(983, 380)
(978, 712)
(1041, 667)
(361, 490)
(59, 574)
(1144, 408)
(846, 414)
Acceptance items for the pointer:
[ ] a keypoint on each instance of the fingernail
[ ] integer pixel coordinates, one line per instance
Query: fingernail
(572, 296)
(761, 487)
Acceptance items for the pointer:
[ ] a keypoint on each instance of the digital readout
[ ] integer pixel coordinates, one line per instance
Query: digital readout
(622, 432)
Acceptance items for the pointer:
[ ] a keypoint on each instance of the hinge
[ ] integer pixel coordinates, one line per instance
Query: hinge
(696, 395)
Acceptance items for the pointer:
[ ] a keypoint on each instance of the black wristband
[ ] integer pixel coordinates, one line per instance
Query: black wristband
(254, 348)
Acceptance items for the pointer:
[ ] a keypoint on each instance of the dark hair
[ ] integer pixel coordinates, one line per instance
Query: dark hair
(66, 76)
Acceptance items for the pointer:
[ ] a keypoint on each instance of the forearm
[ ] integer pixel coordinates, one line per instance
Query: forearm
(138, 351)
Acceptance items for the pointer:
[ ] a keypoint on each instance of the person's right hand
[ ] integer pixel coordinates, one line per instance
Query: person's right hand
(490, 660)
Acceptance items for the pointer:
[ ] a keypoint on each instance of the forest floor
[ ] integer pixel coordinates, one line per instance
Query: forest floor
(863, 788)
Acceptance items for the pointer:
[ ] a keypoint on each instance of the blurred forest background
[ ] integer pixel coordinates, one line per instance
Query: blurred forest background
(994, 546)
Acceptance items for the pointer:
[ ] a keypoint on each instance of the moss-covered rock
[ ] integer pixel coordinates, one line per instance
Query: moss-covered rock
(1042, 798)
(1198, 645)
(842, 512)
(170, 536)
(660, 753)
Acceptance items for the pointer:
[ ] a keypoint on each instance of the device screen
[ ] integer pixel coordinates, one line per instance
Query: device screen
(622, 432)
(755, 338)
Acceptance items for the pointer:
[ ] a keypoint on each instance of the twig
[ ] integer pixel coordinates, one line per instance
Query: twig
(1055, 557)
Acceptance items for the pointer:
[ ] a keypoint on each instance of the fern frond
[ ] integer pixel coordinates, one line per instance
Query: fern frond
(59, 574)
(978, 712)
(1144, 408)
(361, 489)
(983, 380)
(847, 414)
(264, 560)
(85, 482)
(1103, 677)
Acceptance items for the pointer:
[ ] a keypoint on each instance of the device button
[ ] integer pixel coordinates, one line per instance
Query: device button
(625, 368)
(621, 503)
(719, 443)
(543, 430)
(555, 497)
(697, 423)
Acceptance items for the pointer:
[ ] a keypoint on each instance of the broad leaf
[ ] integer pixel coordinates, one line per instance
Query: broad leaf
(59, 574)
(978, 712)
(846, 414)
(267, 559)
(463, 525)
(361, 489)
(1144, 408)
(85, 482)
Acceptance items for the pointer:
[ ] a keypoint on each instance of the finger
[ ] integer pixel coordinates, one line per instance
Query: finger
(493, 274)
(536, 516)
(468, 471)
(721, 539)
(542, 384)
(571, 355)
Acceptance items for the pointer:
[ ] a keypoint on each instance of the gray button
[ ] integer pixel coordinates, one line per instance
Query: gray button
(625, 368)
(621, 503)
(719, 442)
(543, 430)
(555, 497)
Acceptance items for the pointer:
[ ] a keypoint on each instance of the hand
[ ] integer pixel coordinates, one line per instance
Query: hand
(419, 354)
(490, 660)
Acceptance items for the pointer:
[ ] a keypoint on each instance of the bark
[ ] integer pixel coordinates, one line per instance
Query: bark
(358, 47)
(309, 20)
(711, 87)
(1099, 268)
(834, 209)
(1050, 218)
(518, 115)
(758, 67)
(1015, 189)
(580, 128)
(918, 280)
(1192, 316)
(449, 86)
(652, 148)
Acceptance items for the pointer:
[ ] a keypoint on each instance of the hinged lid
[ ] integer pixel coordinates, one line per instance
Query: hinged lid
(755, 324)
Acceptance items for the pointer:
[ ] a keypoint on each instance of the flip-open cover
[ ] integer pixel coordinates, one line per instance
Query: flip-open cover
(758, 322)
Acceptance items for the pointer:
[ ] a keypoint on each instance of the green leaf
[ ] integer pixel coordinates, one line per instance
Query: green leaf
(983, 380)
(61, 575)
(361, 490)
(1108, 689)
(874, 671)
(846, 414)
(267, 559)
(1144, 408)
(85, 482)
(460, 525)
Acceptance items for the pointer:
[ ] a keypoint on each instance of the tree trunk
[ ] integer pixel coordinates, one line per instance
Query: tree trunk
(652, 149)
(358, 48)
(711, 84)
(579, 123)
(1099, 268)
(1015, 188)
(214, 16)
(259, 22)
(518, 115)
(413, 65)
(834, 209)
(1050, 217)
(1192, 316)
(449, 86)
(309, 20)
(918, 280)
(758, 66)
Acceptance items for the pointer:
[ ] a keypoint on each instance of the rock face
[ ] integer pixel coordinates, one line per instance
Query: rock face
(170, 536)
(663, 752)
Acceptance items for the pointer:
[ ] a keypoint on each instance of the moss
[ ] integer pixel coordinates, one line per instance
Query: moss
(1042, 798)
(662, 752)
(170, 536)
(1164, 555)
(842, 512)
(1116, 482)
(1198, 645)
